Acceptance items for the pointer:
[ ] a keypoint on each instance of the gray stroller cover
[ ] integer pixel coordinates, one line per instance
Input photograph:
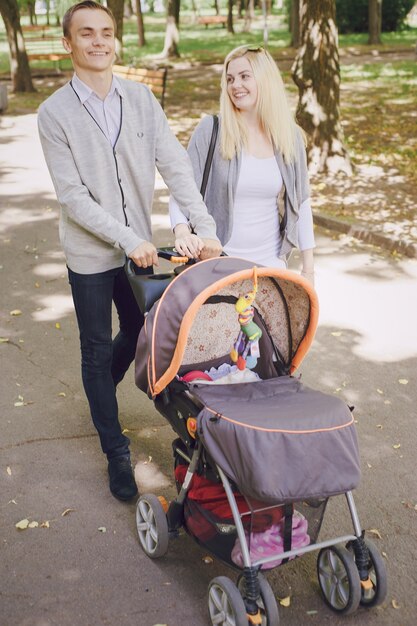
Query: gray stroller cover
(278, 440)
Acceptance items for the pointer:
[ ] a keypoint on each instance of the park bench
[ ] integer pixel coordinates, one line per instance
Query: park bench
(41, 46)
(212, 19)
(155, 79)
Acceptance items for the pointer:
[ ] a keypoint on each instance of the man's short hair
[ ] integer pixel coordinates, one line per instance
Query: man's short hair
(85, 4)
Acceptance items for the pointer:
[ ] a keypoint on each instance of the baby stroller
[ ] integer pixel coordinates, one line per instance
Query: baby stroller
(257, 453)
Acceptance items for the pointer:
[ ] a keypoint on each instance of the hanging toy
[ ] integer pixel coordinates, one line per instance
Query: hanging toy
(245, 351)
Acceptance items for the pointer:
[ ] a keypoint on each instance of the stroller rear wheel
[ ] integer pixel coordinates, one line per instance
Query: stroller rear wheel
(225, 604)
(267, 603)
(339, 579)
(152, 526)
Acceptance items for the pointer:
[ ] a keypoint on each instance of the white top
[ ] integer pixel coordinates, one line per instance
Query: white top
(255, 235)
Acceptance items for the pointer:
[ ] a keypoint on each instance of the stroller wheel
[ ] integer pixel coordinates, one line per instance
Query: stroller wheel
(266, 602)
(152, 526)
(225, 604)
(378, 576)
(339, 579)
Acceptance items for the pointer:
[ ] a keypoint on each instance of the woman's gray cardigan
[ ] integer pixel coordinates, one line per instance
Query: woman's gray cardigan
(222, 181)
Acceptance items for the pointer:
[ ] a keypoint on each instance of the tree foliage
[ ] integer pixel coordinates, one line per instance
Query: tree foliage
(352, 15)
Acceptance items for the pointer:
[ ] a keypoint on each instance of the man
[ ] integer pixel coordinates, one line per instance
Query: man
(102, 138)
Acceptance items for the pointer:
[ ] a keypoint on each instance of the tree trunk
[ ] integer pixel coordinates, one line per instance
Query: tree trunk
(19, 64)
(295, 23)
(128, 9)
(374, 19)
(249, 16)
(141, 27)
(32, 14)
(316, 72)
(216, 6)
(172, 35)
(117, 8)
(177, 7)
(230, 28)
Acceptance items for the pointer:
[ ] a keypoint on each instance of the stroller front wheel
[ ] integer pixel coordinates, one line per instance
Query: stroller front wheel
(376, 594)
(266, 602)
(339, 579)
(225, 604)
(152, 526)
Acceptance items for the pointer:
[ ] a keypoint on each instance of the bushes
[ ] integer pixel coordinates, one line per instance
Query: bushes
(352, 15)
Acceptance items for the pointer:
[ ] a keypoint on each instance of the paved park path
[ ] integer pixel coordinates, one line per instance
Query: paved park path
(82, 566)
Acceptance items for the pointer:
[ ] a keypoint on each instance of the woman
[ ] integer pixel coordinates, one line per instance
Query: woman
(258, 190)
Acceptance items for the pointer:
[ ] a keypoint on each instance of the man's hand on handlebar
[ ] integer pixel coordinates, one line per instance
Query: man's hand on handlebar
(212, 248)
(186, 243)
(145, 255)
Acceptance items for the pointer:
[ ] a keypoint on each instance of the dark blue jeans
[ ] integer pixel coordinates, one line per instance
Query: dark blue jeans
(104, 361)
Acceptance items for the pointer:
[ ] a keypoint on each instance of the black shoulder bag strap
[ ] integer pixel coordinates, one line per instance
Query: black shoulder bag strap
(210, 153)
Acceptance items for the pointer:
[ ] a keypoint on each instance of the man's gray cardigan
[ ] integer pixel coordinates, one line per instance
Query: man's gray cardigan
(106, 193)
(224, 174)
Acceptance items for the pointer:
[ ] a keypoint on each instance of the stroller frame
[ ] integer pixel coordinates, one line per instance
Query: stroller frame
(363, 579)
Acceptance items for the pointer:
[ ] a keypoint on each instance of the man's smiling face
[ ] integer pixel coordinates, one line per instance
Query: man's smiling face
(91, 41)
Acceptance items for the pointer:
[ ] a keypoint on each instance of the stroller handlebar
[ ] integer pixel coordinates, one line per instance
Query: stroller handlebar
(149, 287)
(170, 254)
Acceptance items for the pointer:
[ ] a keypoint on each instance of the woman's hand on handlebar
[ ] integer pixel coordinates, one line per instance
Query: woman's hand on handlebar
(145, 255)
(211, 249)
(186, 243)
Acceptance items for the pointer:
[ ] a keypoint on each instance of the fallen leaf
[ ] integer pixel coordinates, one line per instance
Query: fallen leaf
(285, 601)
(375, 532)
(20, 403)
(16, 312)
(384, 554)
(369, 465)
(207, 559)
(23, 524)
(396, 446)
(64, 513)
(45, 524)
(37, 285)
(62, 394)
(33, 524)
(58, 326)
(12, 502)
(4, 339)
(336, 333)
(395, 603)
(379, 426)
(380, 391)
(125, 430)
(387, 401)
(311, 612)
(403, 381)
(9, 471)
(102, 529)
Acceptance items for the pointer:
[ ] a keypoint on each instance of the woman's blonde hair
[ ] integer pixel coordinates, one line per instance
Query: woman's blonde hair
(273, 109)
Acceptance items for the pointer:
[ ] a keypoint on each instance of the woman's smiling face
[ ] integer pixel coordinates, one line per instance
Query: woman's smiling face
(241, 84)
